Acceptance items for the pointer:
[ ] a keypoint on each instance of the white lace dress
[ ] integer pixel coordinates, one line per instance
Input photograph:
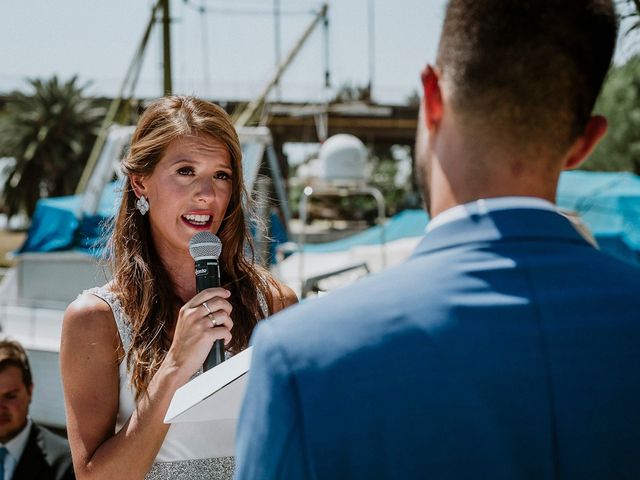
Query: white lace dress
(190, 450)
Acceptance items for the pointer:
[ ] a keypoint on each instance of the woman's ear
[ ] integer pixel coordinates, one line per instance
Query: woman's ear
(138, 185)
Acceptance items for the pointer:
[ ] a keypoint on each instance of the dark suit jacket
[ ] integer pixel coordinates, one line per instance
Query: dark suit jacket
(46, 457)
(506, 347)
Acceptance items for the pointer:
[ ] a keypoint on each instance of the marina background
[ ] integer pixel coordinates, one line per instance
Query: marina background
(225, 51)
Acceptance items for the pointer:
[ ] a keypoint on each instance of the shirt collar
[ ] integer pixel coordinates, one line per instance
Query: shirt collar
(17, 444)
(485, 205)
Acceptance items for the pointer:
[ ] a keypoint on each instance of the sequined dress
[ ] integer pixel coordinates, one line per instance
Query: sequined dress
(189, 450)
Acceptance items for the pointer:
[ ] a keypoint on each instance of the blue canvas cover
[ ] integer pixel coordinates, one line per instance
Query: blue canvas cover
(409, 223)
(609, 204)
(57, 224)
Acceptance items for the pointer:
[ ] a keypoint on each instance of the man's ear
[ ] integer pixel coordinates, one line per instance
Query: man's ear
(138, 185)
(432, 97)
(594, 132)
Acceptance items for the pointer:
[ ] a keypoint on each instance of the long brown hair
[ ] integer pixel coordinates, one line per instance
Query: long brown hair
(141, 282)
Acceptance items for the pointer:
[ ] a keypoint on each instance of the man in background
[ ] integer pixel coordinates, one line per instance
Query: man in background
(506, 347)
(27, 450)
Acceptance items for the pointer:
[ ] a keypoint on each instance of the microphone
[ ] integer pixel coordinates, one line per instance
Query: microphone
(205, 248)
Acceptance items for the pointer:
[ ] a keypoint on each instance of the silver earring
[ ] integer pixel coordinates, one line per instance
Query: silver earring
(142, 204)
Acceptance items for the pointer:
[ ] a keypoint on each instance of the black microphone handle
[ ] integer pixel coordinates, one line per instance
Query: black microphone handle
(208, 276)
(215, 357)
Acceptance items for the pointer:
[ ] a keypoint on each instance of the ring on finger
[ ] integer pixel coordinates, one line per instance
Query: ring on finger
(214, 321)
(206, 307)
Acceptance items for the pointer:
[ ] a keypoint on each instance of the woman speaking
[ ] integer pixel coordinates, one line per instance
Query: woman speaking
(129, 345)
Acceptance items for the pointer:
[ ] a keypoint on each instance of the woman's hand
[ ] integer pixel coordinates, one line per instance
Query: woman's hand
(201, 321)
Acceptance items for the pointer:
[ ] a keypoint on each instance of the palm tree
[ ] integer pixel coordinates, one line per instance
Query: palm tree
(630, 10)
(636, 14)
(49, 132)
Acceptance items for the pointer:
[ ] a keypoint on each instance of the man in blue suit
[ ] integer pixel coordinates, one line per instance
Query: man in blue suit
(506, 347)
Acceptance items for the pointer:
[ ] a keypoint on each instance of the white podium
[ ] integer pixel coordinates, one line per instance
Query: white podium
(215, 395)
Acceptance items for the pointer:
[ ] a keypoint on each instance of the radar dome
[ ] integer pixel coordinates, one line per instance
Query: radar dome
(343, 158)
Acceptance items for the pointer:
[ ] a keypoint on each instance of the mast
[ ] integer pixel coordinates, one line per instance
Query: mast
(246, 115)
(372, 47)
(276, 36)
(126, 92)
(166, 47)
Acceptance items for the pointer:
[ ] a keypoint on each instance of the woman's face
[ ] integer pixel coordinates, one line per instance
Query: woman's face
(188, 192)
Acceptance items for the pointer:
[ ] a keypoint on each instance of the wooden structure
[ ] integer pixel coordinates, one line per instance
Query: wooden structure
(380, 125)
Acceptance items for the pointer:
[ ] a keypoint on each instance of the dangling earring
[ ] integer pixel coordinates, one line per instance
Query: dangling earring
(142, 204)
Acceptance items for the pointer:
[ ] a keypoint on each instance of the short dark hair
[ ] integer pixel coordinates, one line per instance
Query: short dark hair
(13, 355)
(532, 67)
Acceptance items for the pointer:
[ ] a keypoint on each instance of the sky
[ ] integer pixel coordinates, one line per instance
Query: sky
(96, 40)
(228, 52)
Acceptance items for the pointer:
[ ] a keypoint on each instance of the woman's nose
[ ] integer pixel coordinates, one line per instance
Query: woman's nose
(206, 189)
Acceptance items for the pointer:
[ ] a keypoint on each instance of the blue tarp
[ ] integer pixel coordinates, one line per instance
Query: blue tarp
(57, 224)
(608, 203)
(409, 223)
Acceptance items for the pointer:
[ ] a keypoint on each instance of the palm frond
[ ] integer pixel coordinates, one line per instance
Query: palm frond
(49, 130)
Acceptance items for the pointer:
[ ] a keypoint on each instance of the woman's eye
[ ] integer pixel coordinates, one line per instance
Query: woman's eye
(185, 171)
(222, 176)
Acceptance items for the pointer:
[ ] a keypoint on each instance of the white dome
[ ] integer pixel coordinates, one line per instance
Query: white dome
(343, 157)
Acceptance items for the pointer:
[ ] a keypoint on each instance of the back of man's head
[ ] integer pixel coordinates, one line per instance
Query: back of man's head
(13, 355)
(527, 71)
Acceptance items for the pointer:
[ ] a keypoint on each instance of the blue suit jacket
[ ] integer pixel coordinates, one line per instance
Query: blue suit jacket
(506, 347)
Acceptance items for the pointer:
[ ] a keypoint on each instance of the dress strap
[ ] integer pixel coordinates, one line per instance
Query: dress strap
(122, 321)
(263, 304)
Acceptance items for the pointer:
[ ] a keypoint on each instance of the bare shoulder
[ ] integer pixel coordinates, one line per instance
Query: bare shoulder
(283, 296)
(89, 311)
(88, 322)
(87, 304)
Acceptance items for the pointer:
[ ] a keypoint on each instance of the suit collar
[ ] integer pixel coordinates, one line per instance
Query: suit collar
(484, 205)
(32, 461)
(513, 224)
(17, 444)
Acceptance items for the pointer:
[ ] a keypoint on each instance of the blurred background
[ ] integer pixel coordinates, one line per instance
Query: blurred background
(325, 98)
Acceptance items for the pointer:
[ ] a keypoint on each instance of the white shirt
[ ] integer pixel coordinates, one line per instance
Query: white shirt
(485, 205)
(15, 447)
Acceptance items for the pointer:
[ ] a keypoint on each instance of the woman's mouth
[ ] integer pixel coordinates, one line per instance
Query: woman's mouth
(198, 221)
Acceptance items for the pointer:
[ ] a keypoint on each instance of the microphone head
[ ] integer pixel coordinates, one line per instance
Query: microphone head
(205, 245)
